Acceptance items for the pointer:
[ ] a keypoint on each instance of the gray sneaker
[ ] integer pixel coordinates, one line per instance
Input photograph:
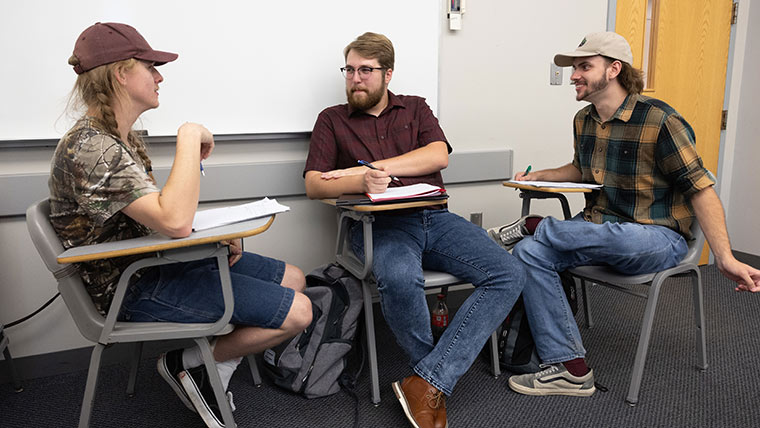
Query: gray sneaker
(554, 380)
(510, 234)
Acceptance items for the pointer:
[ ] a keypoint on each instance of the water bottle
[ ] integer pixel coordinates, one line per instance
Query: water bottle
(439, 317)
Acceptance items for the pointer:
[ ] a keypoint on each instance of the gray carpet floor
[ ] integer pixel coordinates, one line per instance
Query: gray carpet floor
(673, 394)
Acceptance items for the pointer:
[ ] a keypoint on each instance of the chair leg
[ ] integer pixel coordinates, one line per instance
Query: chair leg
(255, 376)
(699, 317)
(369, 325)
(495, 355)
(14, 375)
(643, 346)
(136, 355)
(586, 305)
(90, 386)
(216, 382)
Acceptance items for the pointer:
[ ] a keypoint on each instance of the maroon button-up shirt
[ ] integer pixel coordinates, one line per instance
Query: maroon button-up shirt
(343, 135)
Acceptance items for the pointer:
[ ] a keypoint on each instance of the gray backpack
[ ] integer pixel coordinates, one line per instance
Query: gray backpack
(313, 362)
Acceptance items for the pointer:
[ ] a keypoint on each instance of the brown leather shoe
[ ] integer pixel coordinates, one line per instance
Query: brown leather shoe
(440, 414)
(423, 404)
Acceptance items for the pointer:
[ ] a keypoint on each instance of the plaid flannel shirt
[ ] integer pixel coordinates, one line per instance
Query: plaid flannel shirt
(646, 158)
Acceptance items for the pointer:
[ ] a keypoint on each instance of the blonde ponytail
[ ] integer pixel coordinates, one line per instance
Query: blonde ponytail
(97, 90)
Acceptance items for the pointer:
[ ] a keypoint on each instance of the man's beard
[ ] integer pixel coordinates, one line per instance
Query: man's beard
(593, 87)
(371, 99)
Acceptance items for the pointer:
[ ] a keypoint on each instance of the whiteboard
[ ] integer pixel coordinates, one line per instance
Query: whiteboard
(243, 67)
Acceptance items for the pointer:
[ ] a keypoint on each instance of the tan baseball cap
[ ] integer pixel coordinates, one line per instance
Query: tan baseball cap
(605, 43)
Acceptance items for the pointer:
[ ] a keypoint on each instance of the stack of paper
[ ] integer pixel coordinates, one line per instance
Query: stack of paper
(227, 215)
(406, 192)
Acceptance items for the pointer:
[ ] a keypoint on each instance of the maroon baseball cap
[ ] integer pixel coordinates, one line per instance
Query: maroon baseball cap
(107, 42)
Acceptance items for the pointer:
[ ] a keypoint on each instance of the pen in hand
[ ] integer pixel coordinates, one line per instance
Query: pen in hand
(527, 170)
(370, 166)
(203, 173)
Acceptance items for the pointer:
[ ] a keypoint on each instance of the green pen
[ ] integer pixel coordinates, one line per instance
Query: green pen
(527, 170)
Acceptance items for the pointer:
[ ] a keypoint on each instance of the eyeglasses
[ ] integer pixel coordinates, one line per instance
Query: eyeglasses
(364, 72)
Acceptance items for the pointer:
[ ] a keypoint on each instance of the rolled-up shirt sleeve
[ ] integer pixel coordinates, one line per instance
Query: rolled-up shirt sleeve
(677, 157)
(323, 150)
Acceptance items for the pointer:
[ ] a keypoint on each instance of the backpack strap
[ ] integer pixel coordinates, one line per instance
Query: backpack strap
(348, 379)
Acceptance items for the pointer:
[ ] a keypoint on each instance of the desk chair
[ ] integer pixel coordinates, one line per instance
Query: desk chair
(107, 331)
(434, 280)
(604, 275)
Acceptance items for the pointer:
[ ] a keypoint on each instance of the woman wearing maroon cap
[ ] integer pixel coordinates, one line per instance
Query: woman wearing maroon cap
(102, 189)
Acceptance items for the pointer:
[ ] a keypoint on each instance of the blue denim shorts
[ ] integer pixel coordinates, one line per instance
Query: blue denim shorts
(191, 292)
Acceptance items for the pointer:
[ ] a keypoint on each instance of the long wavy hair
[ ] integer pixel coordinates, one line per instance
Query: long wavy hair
(97, 90)
(631, 79)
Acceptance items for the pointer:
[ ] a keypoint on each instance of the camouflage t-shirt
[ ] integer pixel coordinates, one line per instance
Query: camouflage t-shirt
(93, 176)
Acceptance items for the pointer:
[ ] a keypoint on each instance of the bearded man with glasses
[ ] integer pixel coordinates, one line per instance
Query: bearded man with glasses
(400, 136)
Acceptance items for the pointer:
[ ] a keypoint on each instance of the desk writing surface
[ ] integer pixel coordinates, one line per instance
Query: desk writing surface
(158, 242)
(386, 206)
(545, 189)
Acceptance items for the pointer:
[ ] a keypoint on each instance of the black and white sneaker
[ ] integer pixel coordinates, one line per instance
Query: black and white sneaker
(510, 234)
(169, 366)
(198, 388)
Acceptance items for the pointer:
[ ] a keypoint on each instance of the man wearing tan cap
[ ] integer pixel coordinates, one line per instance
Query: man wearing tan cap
(654, 184)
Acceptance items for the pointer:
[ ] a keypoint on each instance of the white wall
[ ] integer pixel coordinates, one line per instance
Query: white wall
(495, 92)
(744, 150)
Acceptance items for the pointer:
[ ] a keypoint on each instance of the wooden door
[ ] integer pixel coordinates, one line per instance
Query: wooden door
(682, 46)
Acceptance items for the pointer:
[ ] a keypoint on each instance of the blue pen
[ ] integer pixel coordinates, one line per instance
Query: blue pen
(203, 173)
(370, 166)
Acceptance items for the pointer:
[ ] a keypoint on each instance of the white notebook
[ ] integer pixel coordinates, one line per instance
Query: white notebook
(215, 217)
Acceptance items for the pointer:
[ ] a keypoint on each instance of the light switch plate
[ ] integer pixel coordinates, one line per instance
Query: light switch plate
(555, 74)
(455, 21)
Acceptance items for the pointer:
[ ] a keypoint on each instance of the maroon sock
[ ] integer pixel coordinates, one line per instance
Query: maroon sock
(576, 367)
(531, 223)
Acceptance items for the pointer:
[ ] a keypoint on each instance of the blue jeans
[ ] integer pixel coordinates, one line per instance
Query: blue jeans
(442, 241)
(191, 292)
(557, 245)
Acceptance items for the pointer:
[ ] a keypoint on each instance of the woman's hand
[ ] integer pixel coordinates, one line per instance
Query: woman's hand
(199, 132)
(236, 250)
